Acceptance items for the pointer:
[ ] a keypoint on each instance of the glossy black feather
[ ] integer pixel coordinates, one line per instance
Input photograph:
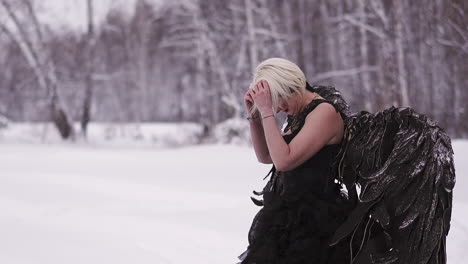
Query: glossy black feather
(403, 162)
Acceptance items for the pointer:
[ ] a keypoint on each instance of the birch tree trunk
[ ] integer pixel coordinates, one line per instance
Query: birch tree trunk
(299, 27)
(200, 84)
(365, 76)
(386, 75)
(251, 35)
(400, 52)
(343, 46)
(331, 46)
(142, 66)
(39, 61)
(86, 115)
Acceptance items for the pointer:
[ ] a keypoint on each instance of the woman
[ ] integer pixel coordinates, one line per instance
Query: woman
(303, 205)
(401, 160)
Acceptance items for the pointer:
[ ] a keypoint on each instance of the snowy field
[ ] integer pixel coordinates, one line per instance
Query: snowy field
(63, 203)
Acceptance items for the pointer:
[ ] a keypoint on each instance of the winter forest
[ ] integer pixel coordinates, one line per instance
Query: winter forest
(123, 136)
(192, 60)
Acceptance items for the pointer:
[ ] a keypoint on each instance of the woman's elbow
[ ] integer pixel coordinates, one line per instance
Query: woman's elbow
(283, 166)
(265, 160)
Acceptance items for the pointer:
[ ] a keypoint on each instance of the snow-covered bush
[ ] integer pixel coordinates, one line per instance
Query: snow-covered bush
(165, 135)
(237, 130)
(180, 135)
(233, 130)
(3, 122)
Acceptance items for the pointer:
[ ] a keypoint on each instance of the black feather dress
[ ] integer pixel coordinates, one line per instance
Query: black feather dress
(302, 208)
(397, 167)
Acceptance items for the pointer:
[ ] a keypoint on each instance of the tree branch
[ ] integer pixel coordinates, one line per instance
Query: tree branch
(380, 13)
(29, 56)
(367, 27)
(269, 33)
(340, 73)
(460, 31)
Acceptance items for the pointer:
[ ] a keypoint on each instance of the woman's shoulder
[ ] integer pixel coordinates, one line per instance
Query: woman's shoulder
(324, 108)
(322, 102)
(330, 116)
(318, 106)
(295, 123)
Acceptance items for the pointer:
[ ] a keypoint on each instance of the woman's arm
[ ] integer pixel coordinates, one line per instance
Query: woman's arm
(320, 126)
(259, 142)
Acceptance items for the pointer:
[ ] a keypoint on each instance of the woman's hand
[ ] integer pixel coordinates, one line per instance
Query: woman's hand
(262, 97)
(248, 101)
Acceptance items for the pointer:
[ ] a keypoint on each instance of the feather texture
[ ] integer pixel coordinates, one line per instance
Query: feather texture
(403, 162)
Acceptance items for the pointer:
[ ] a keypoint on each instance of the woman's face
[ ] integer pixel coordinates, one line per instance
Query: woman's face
(285, 105)
(290, 105)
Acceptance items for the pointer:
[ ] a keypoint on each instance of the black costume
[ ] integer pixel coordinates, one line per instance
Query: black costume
(303, 207)
(403, 164)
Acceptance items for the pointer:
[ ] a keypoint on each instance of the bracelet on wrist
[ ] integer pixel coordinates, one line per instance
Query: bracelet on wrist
(268, 116)
(252, 117)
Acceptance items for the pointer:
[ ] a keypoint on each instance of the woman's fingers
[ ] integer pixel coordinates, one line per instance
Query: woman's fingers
(265, 86)
(254, 90)
(257, 87)
(261, 85)
(250, 93)
(249, 98)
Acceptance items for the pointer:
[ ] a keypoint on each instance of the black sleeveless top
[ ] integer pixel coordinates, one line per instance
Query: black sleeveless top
(302, 208)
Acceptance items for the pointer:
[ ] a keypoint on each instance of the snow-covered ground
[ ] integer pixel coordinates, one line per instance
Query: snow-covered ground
(159, 135)
(64, 203)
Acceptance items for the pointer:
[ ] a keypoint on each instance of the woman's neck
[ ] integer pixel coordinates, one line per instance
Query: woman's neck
(306, 99)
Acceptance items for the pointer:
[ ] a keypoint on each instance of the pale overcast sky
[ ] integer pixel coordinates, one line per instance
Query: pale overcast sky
(72, 13)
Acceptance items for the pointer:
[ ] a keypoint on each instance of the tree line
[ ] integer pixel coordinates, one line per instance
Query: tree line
(192, 60)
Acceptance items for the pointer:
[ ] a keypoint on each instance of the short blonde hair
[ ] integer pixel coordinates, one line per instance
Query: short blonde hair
(284, 78)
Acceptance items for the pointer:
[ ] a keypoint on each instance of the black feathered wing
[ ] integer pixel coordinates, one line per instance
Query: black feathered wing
(403, 163)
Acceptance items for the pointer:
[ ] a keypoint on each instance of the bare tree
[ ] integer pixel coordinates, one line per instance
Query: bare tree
(86, 115)
(400, 51)
(34, 50)
(192, 60)
(363, 48)
(253, 50)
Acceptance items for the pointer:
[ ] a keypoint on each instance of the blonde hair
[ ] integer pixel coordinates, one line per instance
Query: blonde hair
(284, 78)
